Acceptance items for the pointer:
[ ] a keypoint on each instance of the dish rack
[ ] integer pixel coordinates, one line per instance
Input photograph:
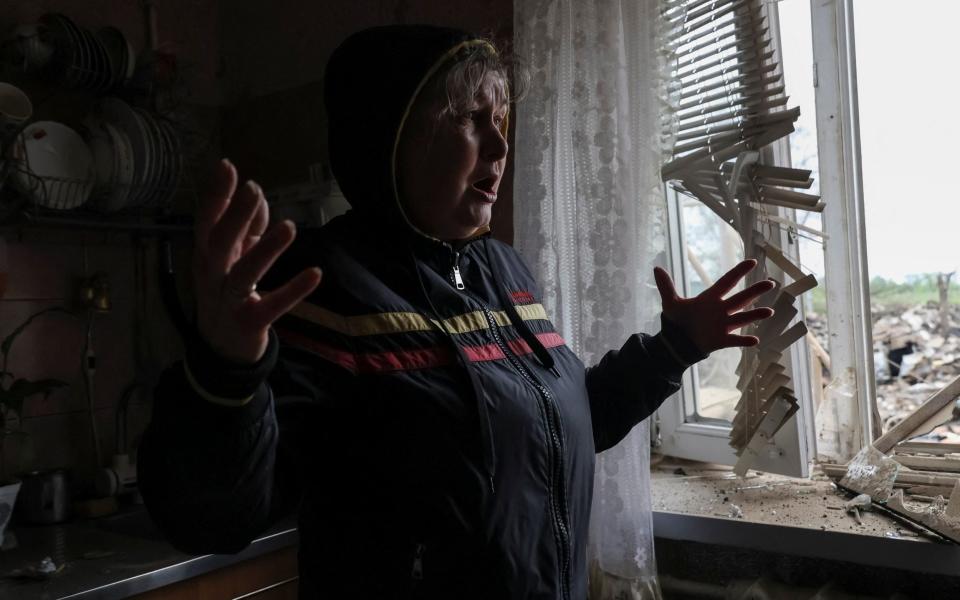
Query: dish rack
(26, 197)
(140, 173)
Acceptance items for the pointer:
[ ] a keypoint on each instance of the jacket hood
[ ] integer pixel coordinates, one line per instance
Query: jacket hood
(372, 80)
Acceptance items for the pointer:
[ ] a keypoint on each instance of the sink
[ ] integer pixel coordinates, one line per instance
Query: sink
(134, 523)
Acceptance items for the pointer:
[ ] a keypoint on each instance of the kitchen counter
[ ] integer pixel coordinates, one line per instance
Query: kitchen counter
(115, 557)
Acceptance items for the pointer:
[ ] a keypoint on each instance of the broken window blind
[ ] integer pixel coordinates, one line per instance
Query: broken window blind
(728, 103)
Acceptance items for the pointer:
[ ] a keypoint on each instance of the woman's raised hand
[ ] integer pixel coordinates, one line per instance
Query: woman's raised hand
(709, 319)
(233, 249)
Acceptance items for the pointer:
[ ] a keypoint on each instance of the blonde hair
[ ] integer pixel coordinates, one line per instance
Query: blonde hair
(456, 85)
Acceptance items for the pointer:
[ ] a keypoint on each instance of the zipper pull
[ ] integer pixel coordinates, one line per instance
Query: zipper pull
(457, 279)
(417, 572)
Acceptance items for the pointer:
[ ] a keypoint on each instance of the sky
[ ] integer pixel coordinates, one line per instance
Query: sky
(909, 91)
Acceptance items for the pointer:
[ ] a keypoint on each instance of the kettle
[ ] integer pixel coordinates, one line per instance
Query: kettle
(44, 497)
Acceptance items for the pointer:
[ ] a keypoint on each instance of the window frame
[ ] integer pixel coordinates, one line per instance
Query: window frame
(845, 259)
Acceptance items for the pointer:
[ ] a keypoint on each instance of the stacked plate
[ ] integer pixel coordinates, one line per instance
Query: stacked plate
(96, 62)
(138, 159)
(114, 162)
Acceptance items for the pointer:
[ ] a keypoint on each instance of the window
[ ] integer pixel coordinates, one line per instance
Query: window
(819, 75)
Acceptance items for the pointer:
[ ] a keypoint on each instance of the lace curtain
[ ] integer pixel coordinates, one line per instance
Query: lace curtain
(591, 221)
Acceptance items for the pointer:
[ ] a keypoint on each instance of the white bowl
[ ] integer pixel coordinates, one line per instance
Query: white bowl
(55, 165)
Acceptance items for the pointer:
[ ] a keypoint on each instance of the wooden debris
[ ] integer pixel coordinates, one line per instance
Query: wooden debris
(929, 463)
(935, 448)
(875, 474)
(942, 517)
(925, 491)
(920, 418)
(904, 476)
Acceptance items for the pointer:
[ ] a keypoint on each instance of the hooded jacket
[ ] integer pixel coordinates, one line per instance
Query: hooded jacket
(419, 408)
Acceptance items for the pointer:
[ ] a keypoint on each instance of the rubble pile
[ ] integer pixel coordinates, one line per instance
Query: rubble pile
(913, 333)
(817, 325)
(912, 359)
(916, 354)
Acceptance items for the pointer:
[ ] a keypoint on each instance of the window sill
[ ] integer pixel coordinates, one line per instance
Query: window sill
(802, 517)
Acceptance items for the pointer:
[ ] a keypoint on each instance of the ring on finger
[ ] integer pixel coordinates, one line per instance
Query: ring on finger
(242, 293)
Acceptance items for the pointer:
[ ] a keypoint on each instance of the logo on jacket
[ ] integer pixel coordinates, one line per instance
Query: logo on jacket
(522, 297)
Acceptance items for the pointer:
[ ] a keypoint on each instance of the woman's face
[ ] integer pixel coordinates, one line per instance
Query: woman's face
(449, 168)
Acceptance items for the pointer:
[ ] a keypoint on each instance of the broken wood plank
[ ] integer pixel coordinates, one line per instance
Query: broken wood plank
(698, 268)
(930, 491)
(922, 414)
(944, 415)
(942, 479)
(818, 351)
(929, 463)
(936, 448)
(903, 476)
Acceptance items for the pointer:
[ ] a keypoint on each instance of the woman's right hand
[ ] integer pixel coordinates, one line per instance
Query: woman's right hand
(233, 249)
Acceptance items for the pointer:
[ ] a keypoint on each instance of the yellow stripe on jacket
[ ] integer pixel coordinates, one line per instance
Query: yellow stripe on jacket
(402, 322)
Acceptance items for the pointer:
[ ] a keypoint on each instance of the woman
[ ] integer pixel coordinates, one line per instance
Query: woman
(415, 400)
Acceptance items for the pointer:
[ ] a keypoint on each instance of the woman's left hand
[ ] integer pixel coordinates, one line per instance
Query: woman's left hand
(709, 319)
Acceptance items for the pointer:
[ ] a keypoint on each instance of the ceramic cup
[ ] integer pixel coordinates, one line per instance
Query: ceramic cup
(15, 110)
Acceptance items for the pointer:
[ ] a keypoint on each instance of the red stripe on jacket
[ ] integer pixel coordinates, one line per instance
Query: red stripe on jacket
(408, 360)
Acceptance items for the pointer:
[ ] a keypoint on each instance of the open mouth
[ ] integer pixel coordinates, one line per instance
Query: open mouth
(487, 186)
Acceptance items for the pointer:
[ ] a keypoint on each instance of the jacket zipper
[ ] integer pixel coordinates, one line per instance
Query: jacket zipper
(457, 279)
(558, 499)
